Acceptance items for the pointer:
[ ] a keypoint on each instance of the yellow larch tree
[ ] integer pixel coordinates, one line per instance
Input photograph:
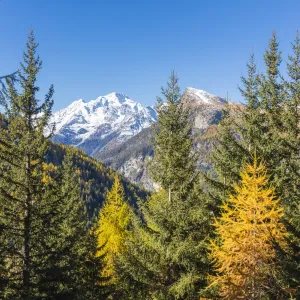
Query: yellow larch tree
(112, 231)
(247, 230)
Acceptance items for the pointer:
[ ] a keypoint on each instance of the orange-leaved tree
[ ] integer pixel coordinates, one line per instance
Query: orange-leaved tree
(112, 231)
(247, 231)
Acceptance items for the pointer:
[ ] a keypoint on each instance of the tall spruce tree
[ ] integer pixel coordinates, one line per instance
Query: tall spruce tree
(273, 100)
(71, 271)
(47, 251)
(166, 257)
(173, 159)
(253, 126)
(74, 230)
(239, 133)
(94, 286)
(64, 276)
(25, 212)
(46, 280)
(290, 136)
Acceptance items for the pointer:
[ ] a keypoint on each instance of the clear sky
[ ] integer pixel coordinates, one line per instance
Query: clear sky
(94, 47)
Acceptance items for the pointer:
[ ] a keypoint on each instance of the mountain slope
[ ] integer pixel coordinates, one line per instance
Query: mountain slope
(131, 158)
(102, 123)
(95, 178)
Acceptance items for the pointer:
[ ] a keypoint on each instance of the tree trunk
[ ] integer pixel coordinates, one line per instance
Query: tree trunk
(27, 227)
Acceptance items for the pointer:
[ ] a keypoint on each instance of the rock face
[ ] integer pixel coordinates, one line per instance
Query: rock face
(205, 108)
(101, 124)
(132, 157)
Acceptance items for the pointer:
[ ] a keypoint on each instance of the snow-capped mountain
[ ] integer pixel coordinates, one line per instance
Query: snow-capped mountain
(102, 123)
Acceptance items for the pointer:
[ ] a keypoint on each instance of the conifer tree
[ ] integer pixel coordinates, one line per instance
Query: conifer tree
(173, 159)
(63, 278)
(273, 98)
(252, 127)
(47, 279)
(22, 192)
(271, 84)
(247, 230)
(112, 230)
(94, 286)
(239, 132)
(77, 270)
(73, 226)
(290, 187)
(167, 256)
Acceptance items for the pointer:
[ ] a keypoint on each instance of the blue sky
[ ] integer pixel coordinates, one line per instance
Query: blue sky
(91, 48)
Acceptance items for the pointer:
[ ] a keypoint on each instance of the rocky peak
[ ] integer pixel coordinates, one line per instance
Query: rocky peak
(200, 97)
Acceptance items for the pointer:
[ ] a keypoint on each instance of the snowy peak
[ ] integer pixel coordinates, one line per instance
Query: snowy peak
(205, 108)
(113, 98)
(93, 125)
(202, 97)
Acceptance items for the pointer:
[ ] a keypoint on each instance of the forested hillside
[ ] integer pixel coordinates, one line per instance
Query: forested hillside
(95, 178)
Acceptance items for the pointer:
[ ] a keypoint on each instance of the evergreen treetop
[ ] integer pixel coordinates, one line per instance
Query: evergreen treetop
(174, 162)
(167, 255)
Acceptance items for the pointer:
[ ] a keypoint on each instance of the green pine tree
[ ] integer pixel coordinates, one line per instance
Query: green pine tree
(94, 285)
(167, 256)
(239, 132)
(25, 213)
(73, 228)
(76, 249)
(63, 279)
(174, 160)
(290, 186)
(253, 127)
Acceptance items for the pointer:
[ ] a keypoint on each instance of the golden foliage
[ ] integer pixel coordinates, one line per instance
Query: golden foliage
(250, 223)
(112, 230)
(48, 173)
